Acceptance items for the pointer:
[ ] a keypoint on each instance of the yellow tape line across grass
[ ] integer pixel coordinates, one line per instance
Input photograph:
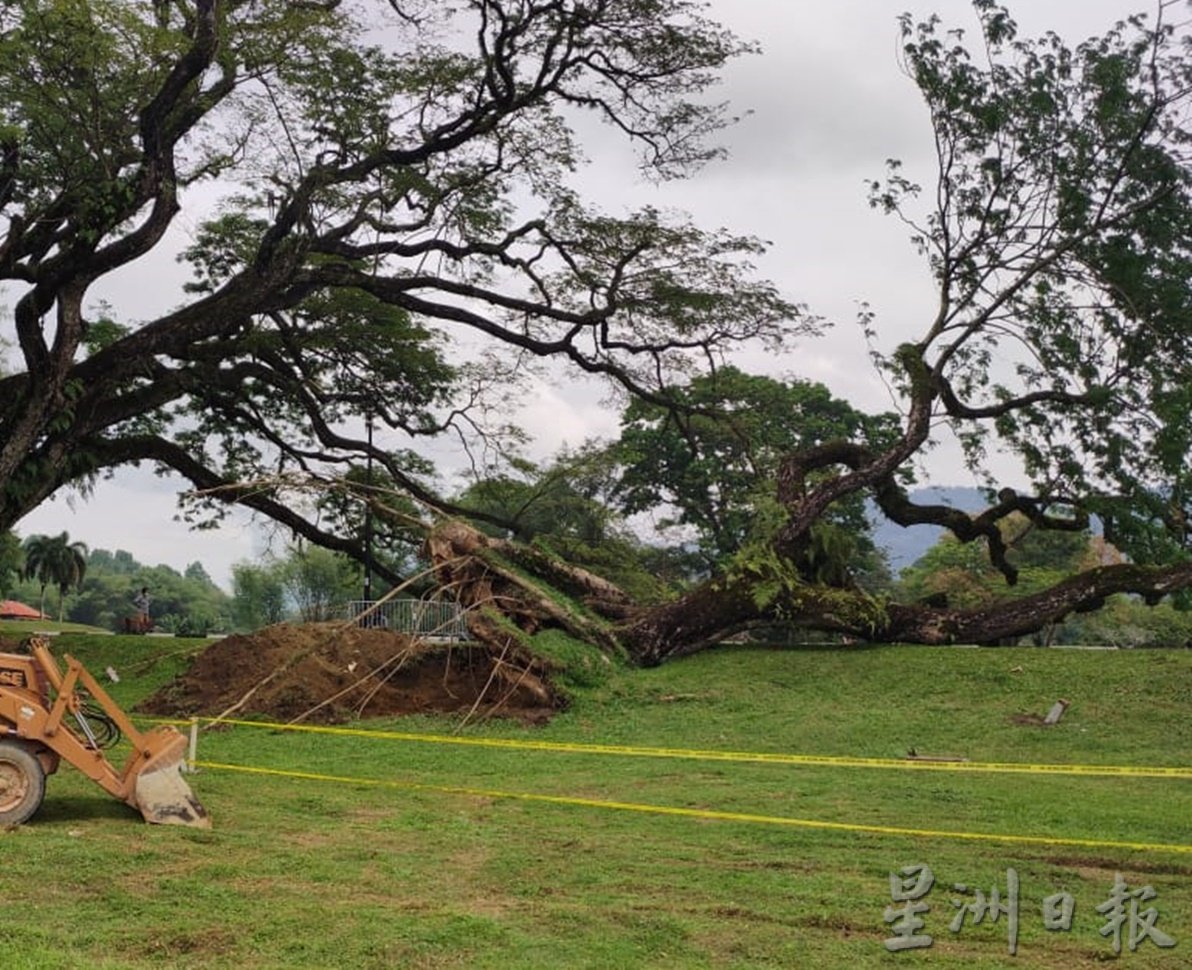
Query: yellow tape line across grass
(702, 813)
(745, 757)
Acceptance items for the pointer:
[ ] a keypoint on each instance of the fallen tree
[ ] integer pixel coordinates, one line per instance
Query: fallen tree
(381, 214)
(512, 592)
(1059, 234)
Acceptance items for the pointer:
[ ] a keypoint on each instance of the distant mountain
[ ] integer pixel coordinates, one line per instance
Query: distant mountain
(905, 545)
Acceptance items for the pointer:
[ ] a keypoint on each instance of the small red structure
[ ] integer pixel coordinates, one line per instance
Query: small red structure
(12, 610)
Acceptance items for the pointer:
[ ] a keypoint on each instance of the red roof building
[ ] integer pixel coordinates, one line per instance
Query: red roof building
(12, 610)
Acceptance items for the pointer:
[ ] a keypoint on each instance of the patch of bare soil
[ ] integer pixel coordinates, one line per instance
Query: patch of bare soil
(328, 673)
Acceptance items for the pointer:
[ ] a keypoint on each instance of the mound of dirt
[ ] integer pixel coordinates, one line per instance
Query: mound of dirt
(328, 672)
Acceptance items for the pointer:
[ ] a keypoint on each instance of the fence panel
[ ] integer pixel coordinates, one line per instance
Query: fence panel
(437, 619)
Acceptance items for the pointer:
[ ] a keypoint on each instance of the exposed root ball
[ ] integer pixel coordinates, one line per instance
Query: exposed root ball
(328, 672)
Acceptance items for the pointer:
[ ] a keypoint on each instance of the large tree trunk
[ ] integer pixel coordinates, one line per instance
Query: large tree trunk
(512, 592)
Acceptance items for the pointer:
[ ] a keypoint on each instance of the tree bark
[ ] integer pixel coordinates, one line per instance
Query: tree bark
(508, 588)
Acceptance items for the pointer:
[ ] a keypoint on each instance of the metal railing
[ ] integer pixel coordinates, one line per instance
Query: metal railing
(433, 619)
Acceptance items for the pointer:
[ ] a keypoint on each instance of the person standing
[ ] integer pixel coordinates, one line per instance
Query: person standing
(141, 602)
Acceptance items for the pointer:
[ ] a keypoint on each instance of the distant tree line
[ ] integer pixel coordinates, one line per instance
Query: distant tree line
(96, 586)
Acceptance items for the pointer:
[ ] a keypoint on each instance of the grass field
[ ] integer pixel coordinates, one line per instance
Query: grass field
(422, 860)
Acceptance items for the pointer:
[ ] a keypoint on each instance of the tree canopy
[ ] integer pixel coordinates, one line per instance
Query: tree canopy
(395, 185)
(711, 455)
(1056, 232)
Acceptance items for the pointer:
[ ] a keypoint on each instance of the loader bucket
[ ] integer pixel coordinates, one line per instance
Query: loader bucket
(159, 792)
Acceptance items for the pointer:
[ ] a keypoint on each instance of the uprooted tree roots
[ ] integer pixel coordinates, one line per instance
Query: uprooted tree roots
(337, 671)
(511, 592)
(540, 624)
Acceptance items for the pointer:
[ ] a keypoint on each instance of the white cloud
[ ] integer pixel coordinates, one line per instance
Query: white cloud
(566, 413)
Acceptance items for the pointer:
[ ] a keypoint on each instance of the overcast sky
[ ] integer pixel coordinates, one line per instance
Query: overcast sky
(827, 105)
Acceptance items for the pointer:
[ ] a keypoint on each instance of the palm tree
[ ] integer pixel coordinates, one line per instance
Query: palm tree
(57, 560)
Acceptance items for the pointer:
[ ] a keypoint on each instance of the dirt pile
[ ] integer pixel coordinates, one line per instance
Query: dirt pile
(328, 672)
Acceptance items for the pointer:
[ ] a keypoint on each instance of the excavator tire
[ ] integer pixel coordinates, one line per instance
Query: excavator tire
(22, 783)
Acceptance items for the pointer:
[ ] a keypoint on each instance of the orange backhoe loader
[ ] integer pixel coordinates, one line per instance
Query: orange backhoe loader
(47, 715)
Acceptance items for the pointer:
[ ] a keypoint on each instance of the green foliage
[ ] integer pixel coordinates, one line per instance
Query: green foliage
(196, 572)
(120, 562)
(318, 582)
(199, 622)
(103, 332)
(178, 603)
(258, 596)
(647, 574)
(1125, 622)
(783, 588)
(962, 573)
(393, 530)
(562, 500)
(714, 469)
(1060, 237)
(382, 206)
(51, 54)
(563, 508)
(341, 355)
(306, 582)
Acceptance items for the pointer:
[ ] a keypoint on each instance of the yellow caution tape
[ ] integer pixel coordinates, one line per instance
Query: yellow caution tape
(743, 757)
(703, 813)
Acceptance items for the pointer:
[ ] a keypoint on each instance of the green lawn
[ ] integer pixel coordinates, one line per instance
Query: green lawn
(300, 872)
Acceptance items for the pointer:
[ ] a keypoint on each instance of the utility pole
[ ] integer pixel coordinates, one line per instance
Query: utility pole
(368, 425)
